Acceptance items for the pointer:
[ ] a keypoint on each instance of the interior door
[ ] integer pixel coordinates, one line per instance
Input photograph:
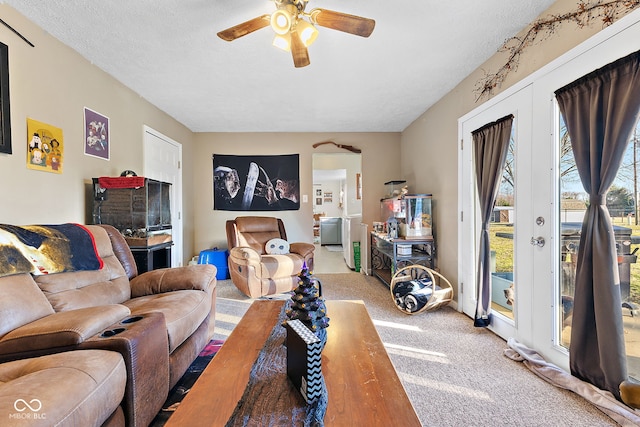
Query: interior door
(514, 225)
(162, 161)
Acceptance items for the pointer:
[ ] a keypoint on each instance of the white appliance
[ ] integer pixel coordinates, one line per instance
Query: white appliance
(350, 233)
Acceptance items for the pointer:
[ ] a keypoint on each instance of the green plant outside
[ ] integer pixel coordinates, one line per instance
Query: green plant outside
(502, 246)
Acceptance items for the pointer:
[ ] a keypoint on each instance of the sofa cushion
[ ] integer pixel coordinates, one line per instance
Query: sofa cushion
(21, 302)
(71, 291)
(279, 266)
(200, 277)
(120, 248)
(78, 388)
(63, 329)
(79, 289)
(183, 311)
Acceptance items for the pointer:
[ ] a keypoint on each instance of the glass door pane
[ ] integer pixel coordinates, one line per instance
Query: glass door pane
(623, 209)
(502, 234)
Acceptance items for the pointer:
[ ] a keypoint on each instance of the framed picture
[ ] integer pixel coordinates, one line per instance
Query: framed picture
(256, 183)
(318, 192)
(5, 115)
(45, 147)
(318, 201)
(96, 134)
(328, 196)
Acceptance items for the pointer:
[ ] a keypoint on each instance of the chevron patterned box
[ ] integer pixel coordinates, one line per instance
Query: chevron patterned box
(304, 360)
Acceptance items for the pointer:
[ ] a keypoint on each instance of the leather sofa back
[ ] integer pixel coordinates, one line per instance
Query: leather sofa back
(21, 302)
(121, 250)
(254, 232)
(80, 289)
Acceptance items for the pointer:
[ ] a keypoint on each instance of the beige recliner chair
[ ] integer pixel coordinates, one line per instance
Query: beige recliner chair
(256, 273)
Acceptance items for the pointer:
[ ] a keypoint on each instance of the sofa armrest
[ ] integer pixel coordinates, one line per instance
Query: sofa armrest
(302, 249)
(192, 277)
(244, 255)
(62, 329)
(143, 344)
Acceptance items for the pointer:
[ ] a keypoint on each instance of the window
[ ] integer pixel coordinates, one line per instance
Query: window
(623, 207)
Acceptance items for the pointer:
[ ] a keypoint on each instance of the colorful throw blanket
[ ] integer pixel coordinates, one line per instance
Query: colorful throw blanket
(45, 249)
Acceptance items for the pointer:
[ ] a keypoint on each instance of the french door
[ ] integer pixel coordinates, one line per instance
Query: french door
(539, 221)
(521, 230)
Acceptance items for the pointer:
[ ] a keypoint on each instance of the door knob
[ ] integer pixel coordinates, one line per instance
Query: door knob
(537, 241)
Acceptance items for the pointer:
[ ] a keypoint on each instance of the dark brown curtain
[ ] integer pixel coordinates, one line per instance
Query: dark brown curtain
(600, 111)
(490, 143)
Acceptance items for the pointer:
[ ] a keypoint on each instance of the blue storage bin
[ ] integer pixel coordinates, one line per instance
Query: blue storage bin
(218, 258)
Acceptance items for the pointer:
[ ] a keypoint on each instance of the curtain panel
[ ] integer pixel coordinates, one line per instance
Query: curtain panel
(490, 143)
(600, 111)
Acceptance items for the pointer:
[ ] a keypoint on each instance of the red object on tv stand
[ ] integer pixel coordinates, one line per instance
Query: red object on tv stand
(121, 181)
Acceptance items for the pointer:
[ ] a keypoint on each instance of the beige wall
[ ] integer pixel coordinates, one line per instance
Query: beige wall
(430, 144)
(380, 163)
(52, 84)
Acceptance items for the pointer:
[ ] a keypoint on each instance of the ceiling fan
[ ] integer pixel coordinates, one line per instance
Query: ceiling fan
(295, 29)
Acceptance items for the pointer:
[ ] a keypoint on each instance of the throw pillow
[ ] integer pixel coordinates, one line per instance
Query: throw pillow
(277, 247)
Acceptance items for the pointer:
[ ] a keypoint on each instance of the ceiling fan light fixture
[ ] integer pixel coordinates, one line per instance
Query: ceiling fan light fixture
(281, 21)
(282, 41)
(308, 33)
(295, 29)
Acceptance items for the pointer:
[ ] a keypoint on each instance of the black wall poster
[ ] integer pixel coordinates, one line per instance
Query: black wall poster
(256, 183)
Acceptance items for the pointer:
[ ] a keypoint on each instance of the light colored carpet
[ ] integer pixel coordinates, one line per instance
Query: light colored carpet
(333, 248)
(454, 374)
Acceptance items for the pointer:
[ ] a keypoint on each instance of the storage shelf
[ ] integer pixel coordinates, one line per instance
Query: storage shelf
(385, 260)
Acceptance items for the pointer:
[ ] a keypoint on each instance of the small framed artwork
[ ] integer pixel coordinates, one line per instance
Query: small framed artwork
(96, 134)
(328, 196)
(318, 201)
(45, 147)
(319, 192)
(5, 115)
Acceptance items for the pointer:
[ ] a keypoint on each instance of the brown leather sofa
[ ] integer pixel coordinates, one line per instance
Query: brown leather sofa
(52, 390)
(256, 273)
(157, 321)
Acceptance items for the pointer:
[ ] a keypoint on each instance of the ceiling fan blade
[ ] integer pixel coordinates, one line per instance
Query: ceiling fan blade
(299, 51)
(351, 24)
(245, 28)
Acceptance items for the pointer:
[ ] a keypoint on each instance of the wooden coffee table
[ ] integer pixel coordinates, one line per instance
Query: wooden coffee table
(362, 384)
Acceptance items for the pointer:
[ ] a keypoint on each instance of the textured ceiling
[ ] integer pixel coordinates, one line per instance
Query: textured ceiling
(167, 51)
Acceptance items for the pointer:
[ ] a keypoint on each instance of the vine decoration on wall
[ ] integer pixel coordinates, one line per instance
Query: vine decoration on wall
(605, 11)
